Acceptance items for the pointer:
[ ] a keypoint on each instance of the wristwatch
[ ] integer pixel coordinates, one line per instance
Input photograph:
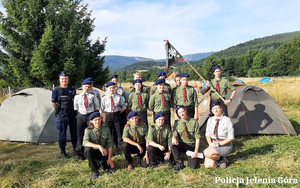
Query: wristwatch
(219, 144)
(230, 99)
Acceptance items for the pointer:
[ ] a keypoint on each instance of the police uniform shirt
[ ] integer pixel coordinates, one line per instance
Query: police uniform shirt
(192, 127)
(191, 96)
(156, 103)
(122, 92)
(106, 105)
(166, 89)
(142, 130)
(70, 91)
(224, 84)
(153, 135)
(105, 139)
(93, 103)
(225, 128)
(133, 101)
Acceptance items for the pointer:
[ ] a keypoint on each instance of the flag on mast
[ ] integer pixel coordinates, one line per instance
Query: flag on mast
(172, 55)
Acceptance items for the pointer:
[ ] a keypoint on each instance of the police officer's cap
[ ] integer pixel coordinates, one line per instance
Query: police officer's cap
(185, 75)
(178, 107)
(63, 74)
(110, 84)
(160, 81)
(215, 103)
(87, 81)
(137, 81)
(114, 76)
(94, 115)
(132, 114)
(161, 73)
(158, 115)
(215, 67)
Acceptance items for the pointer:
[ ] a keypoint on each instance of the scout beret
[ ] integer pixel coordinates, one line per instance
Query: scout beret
(215, 67)
(87, 81)
(63, 74)
(109, 84)
(94, 115)
(137, 81)
(132, 114)
(215, 103)
(178, 107)
(161, 73)
(185, 75)
(158, 115)
(160, 81)
(114, 76)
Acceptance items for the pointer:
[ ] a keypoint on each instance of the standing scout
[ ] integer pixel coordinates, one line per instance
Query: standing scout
(161, 75)
(187, 96)
(161, 101)
(112, 104)
(96, 92)
(221, 85)
(62, 101)
(158, 139)
(134, 139)
(85, 103)
(138, 101)
(138, 75)
(98, 143)
(186, 136)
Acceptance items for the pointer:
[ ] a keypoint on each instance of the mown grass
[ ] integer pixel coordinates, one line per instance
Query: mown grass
(265, 157)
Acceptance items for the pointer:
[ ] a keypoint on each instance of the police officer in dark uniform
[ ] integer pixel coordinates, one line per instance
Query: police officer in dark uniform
(161, 75)
(62, 101)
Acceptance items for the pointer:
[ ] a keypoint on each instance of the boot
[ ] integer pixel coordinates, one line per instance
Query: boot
(63, 153)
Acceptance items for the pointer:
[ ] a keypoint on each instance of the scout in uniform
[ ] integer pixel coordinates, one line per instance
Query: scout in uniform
(62, 101)
(221, 85)
(134, 139)
(186, 136)
(138, 75)
(138, 101)
(98, 144)
(161, 75)
(96, 92)
(178, 83)
(161, 101)
(158, 139)
(85, 103)
(187, 96)
(112, 104)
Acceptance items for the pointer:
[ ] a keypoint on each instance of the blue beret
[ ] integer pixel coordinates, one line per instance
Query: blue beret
(185, 75)
(158, 115)
(178, 107)
(113, 76)
(63, 74)
(137, 81)
(87, 81)
(132, 114)
(109, 84)
(160, 81)
(94, 115)
(161, 73)
(215, 103)
(215, 67)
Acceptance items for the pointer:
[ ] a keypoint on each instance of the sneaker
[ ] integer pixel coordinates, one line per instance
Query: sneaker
(223, 163)
(179, 166)
(130, 167)
(95, 175)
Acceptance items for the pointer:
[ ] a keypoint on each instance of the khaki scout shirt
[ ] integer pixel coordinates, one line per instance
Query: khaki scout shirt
(193, 130)
(166, 135)
(154, 88)
(224, 84)
(133, 102)
(90, 135)
(156, 104)
(141, 129)
(191, 96)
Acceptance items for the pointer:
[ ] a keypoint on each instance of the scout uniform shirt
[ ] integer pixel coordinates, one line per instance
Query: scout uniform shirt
(191, 98)
(142, 130)
(225, 128)
(157, 104)
(192, 130)
(133, 101)
(166, 89)
(105, 138)
(108, 106)
(224, 84)
(165, 135)
(92, 103)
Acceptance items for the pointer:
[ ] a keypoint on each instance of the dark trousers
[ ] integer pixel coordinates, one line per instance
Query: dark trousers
(96, 159)
(167, 118)
(129, 149)
(190, 111)
(143, 117)
(113, 121)
(182, 147)
(155, 153)
(62, 127)
(123, 119)
(82, 124)
(224, 106)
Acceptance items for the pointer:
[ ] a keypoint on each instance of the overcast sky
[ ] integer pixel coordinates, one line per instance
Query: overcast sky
(138, 27)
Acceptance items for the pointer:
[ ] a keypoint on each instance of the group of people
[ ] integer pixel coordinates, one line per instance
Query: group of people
(100, 124)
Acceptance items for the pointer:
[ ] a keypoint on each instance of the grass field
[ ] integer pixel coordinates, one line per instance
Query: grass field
(272, 160)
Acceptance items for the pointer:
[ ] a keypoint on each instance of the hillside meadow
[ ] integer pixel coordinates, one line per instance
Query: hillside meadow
(257, 161)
